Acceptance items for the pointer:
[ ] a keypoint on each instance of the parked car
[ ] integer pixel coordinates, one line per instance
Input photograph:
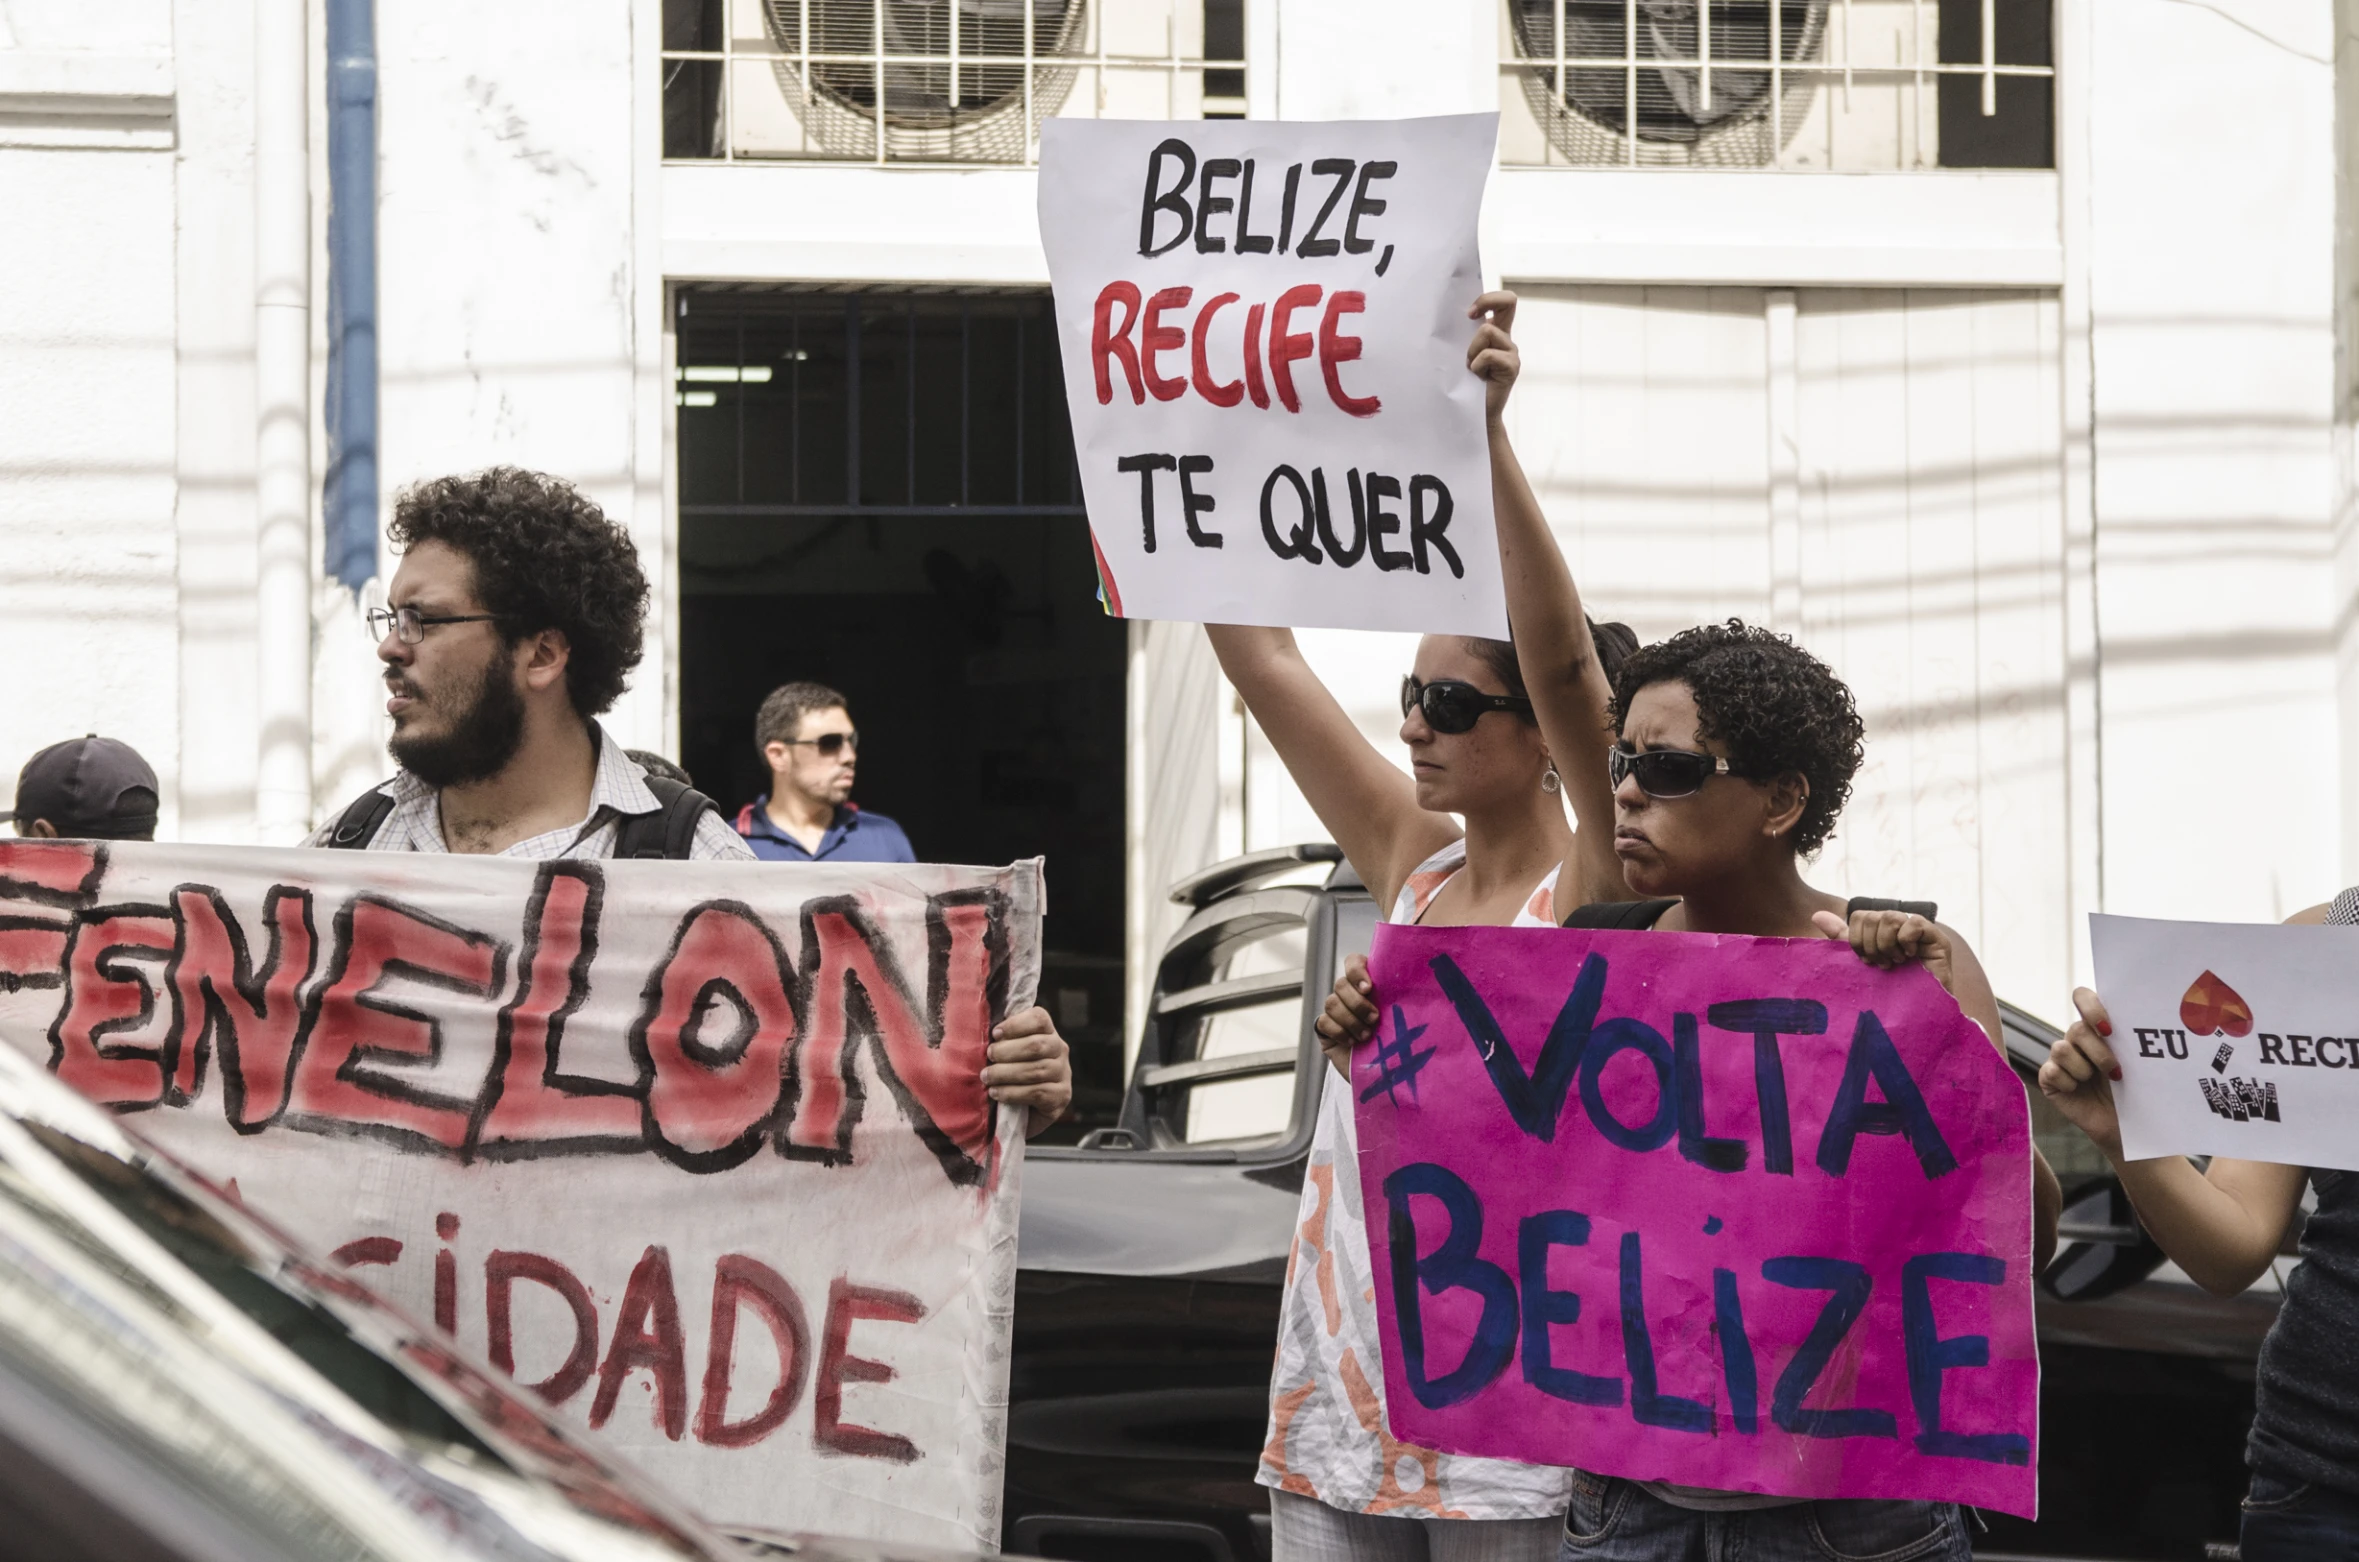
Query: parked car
(1153, 1253)
(179, 1383)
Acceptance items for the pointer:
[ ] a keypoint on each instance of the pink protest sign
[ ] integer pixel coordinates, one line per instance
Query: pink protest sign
(1739, 1213)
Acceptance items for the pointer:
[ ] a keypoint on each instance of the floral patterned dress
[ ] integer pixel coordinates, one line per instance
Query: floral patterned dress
(1328, 1438)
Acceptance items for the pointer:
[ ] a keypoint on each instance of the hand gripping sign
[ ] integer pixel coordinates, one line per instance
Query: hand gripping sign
(698, 1152)
(1264, 334)
(1738, 1213)
(2233, 1039)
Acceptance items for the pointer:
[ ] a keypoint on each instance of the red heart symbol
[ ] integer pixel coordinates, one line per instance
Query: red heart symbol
(2212, 1006)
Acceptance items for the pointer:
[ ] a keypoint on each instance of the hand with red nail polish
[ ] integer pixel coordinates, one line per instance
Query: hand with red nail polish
(2078, 1077)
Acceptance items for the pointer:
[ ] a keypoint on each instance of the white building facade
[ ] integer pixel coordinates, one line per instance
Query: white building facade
(2051, 460)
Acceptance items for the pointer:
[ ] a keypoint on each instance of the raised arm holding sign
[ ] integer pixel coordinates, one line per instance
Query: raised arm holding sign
(1477, 749)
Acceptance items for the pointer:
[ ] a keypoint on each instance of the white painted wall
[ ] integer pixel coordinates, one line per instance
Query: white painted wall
(1384, 59)
(1930, 477)
(2346, 417)
(2212, 305)
(212, 210)
(89, 598)
(512, 309)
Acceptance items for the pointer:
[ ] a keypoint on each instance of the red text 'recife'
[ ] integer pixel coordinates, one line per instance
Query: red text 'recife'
(1141, 332)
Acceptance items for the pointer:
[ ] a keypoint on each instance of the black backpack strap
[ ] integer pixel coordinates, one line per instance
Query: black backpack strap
(357, 826)
(670, 832)
(1630, 915)
(1923, 908)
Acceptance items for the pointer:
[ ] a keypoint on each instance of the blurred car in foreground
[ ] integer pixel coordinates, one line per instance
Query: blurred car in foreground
(178, 1383)
(1155, 1247)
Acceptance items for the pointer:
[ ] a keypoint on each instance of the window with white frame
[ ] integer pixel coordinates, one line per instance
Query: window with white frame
(1841, 85)
(934, 81)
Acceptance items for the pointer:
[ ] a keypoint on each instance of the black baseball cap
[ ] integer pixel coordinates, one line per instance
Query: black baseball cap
(93, 787)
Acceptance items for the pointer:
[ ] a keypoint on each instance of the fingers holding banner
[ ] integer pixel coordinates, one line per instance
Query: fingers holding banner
(1349, 1016)
(1031, 1067)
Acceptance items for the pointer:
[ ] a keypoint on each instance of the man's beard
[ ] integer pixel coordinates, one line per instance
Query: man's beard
(480, 741)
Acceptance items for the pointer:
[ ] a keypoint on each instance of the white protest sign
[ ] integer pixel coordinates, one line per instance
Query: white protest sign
(1264, 333)
(698, 1151)
(2234, 1039)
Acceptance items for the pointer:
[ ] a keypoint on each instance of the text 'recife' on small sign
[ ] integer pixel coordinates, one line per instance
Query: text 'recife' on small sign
(1737, 1213)
(1264, 331)
(2233, 1038)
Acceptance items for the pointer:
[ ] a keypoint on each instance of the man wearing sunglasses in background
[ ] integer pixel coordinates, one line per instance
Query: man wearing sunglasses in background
(806, 737)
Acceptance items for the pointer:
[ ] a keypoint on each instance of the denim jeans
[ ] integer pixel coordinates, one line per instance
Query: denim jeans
(2285, 1520)
(1616, 1521)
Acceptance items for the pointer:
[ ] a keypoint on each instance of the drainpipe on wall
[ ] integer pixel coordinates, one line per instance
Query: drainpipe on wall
(282, 391)
(350, 501)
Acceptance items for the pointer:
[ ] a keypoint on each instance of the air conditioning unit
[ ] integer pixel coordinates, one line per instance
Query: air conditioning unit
(952, 85)
(1661, 108)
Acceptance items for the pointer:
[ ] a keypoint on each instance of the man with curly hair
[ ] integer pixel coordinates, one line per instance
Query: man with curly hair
(512, 624)
(511, 627)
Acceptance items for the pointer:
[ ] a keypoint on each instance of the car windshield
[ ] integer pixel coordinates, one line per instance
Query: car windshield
(295, 1406)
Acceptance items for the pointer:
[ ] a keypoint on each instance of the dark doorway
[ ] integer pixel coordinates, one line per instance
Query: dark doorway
(877, 492)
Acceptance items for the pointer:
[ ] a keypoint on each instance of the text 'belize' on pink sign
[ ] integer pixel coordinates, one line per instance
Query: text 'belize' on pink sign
(1741, 1213)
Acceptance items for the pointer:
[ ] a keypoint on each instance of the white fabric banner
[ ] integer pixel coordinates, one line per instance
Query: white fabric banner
(2233, 1038)
(1264, 333)
(700, 1151)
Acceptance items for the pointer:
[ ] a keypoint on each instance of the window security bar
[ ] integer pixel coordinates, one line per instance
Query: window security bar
(1733, 82)
(804, 72)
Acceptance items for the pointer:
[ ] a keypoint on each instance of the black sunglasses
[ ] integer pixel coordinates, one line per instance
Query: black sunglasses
(1664, 772)
(829, 744)
(1454, 705)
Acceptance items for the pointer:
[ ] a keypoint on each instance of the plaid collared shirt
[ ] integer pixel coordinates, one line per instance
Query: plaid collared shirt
(618, 790)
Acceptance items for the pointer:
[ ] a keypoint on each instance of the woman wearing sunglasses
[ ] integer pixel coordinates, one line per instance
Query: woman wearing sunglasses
(1484, 748)
(1735, 752)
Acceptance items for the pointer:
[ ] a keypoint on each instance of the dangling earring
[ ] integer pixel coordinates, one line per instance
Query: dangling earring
(1550, 781)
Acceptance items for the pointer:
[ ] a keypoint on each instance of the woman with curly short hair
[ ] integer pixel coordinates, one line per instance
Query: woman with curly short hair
(1734, 752)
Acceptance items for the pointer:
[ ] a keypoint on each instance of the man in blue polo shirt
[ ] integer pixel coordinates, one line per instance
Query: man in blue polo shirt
(806, 736)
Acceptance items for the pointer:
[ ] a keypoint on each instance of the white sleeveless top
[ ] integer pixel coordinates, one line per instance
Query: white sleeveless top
(1328, 1437)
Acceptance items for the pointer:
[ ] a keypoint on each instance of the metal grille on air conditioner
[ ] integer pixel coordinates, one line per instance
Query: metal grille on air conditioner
(1844, 85)
(934, 81)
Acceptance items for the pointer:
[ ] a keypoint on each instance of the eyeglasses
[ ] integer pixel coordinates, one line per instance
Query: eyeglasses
(829, 744)
(1453, 705)
(411, 625)
(1664, 772)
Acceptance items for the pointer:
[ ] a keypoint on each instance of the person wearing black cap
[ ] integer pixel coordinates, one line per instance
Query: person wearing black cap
(89, 788)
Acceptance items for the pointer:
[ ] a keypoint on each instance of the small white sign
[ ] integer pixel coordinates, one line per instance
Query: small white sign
(1264, 334)
(2234, 1038)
